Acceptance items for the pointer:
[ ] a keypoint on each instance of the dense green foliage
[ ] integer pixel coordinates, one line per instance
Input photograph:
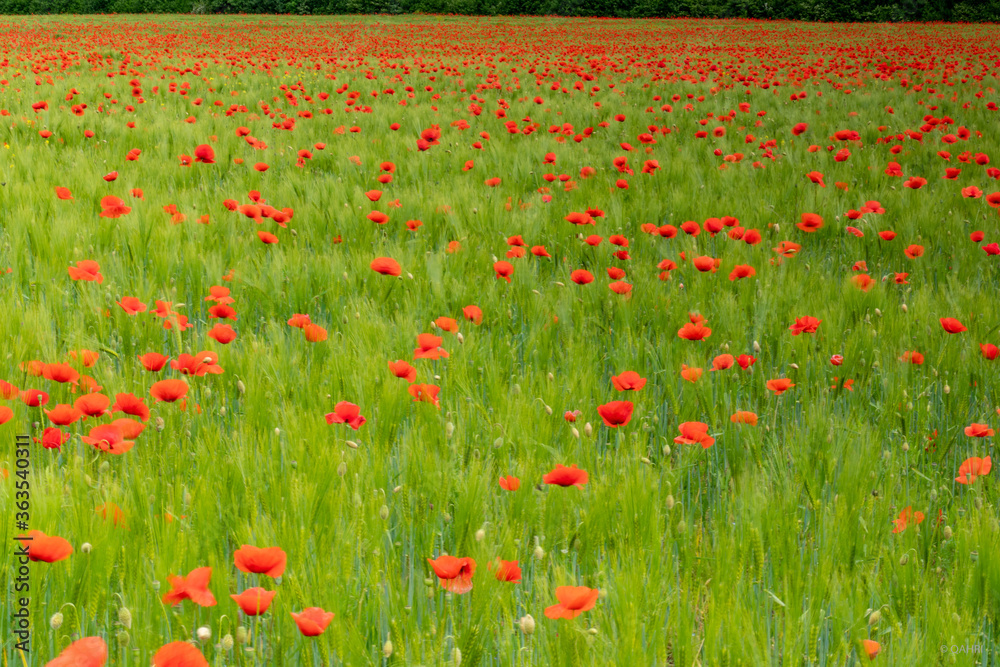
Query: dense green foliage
(801, 10)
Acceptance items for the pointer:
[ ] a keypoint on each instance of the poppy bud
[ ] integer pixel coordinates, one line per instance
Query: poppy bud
(56, 621)
(527, 624)
(904, 559)
(646, 461)
(242, 388)
(548, 410)
(156, 585)
(592, 631)
(480, 534)
(242, 635)
(342, 468)
(187, 497)
(682, 527)
(461, 338)
(222, 411)
(906, 445)
(516, 390)
(86, 547)
(666, 450)
(387, 649)
(123, 638)
(456, 654)
(777, 228)
(204, 633)
(670, 502)
(878, 313)
(227, 643)
(756, 347)
(795, 366)
(905, 309)
(948, 532)
(89, 480)
(539, 553)
(947, 389)
(576, 433)
(449, 430)
(384, 512)
(104, 467)
(351, 444)
(874, 618)
(498, 443)
(588, 430)
(398, 489)
(160, 424)
(125, 617)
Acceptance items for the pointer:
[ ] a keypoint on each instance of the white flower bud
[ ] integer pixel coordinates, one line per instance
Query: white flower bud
(449, 430)
(527, 624)
(461, 338)
(480, 534)
(670, 502)
(242, 388)
(576, 433)
(539, 553)
(204, 633)
(227, 643)
(86, 547)
(125, 617)
(588, 430)
(387, 649)
(384, 512)
(56, 621)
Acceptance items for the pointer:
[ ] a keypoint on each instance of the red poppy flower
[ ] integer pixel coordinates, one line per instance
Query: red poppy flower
(108, 438)
(254, 601)
(346, 413)
(906, 517)
(169, 391)
(990, 351)
(722, 362)
(979, 431)
(508, 570)
(222, 333)
(179, 654)
(474, 314)
(270, 561)
(63, 193)
(806, 324)
(694, 433)
(504, 270)
(779, 386)
(810, 222)
(404, 370)
(86, 652)
(429, 347)
(510, 483)
(153, 361)
(952, 326)
(87, 270)
(573, 601)
(616, 413)
(581, 277)
(193, 587)
(425, 393)
(629, 380)
(52, 438)
(972, 468)
(744, 417)
(313, 621)
(387, 266)
(314, 333)
(563, 476)
(46, 548)
(692, 331)
(455, 574)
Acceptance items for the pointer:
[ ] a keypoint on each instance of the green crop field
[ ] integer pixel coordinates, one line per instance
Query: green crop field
(504, 341)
